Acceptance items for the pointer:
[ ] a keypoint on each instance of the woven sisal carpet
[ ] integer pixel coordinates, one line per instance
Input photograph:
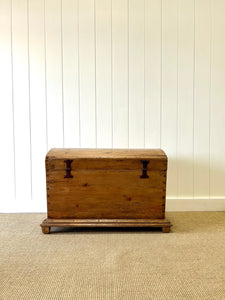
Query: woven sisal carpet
(188, 263)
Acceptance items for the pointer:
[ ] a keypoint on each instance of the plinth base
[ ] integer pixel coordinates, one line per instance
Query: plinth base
(161, 223)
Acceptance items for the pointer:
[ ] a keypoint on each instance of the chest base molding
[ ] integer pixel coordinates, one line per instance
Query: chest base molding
(158, 223)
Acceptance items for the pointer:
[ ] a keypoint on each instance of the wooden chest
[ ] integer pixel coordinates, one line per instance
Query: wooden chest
(106, 187)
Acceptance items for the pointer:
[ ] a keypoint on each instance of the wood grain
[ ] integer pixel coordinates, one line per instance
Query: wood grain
(99, 164)
(106, 184)
(72, 153)
(118, 159)
(48, 223)
(106, 194)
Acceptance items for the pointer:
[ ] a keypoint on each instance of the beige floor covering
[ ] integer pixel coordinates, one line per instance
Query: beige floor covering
(188, 263)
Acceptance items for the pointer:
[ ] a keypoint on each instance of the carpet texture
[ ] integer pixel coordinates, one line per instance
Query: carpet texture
(107, 264)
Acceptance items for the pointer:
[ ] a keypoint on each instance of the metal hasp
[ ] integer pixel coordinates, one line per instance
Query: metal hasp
(68, 168)
(144, 168)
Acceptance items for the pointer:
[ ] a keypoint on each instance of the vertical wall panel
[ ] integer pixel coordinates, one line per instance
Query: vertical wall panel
(186, 61)
(70, 73)
(136, 74)
(103, 74)
(169, 91)
(21, 101)
(37, 99)
(153, 35)
(87, 72)
(202, 98)
(6, 106)
(54, 73)
(120, 73)
(218, 100)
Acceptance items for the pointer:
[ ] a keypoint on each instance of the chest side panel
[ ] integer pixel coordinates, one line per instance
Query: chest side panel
(97, 193)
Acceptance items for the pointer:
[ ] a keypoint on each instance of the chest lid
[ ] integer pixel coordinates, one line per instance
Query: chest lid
(120, 159)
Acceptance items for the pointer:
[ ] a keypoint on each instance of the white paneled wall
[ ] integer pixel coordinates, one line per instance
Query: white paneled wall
(113, 74)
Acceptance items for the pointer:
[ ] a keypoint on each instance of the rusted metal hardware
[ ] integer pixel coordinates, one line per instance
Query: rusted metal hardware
(68, 168)
(144, 168)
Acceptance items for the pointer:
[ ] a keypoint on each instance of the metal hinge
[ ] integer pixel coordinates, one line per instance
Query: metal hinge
(68, 168)
(144, 168)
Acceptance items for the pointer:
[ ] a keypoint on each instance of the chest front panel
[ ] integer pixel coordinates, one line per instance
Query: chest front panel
(106, 194)
(118, 188)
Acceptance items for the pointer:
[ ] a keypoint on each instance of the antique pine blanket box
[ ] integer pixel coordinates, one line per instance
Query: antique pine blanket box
(106, 187)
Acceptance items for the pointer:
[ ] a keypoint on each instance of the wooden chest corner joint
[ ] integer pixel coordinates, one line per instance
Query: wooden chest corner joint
(106, 188)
